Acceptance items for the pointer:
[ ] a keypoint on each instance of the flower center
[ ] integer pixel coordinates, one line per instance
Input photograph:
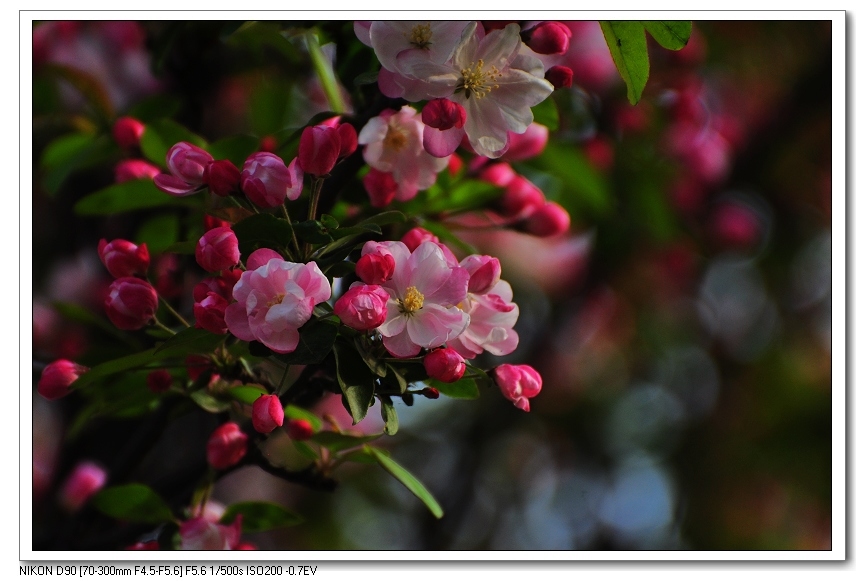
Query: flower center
(420, 36)
(396, 138)
(413, 301)
(478, 82)
(277, 300)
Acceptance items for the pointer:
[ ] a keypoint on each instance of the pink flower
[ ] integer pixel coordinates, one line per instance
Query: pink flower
(394, 144)
(134, 169)
(86, 480)
(498, 174)
(274, 300)
(444, 365)
(424, 292)
(199, 534)
(484, 271)
(380, 186)
(222, 177)
(57, 377)
(186, 163)
(127, 132)
(735, 225)
(267, 182)
(226, 446)
(376, 263)
(124, 258)
(131, 303)
(362, 307)
(518, 383)
(267, 414)
(217, 249)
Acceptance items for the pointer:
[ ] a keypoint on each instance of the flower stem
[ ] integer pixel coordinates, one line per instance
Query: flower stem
(173, 312)
(163, 327)
(324, 70)
(313, 208)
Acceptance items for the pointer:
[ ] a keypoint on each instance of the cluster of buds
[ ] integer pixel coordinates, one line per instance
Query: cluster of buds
(131, 302)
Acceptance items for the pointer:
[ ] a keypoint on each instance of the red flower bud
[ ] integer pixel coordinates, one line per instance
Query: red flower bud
(375, 268)
(211, 222)
(319, 149)
(548, 220)
(134, 169)
(518, 383)
(131, 303)
(444, 365)
(380, 186)
(267, 414)
(413, 238)
(362, 307)
(210, 313)
(498, 174)
(443, 114)
(347, 139)
(222, 177)
(127, 132)
(261, 257)
(299, 429)
(550, 37)
(159, 381)
(217, 249)
(86, 480)
(124, 258)
(526, 145)
(186, 164)
(521, 198)
(57, 377)
(226, 446)
(268, 144)
(560, 76)
(455, 164)
(429, 393)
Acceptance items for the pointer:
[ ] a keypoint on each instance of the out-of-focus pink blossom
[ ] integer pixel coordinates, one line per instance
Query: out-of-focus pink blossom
(735, 225)
(222, 177)
(226, 446)
(86, 479)
(600, 152)
(217, 249)
(127, 132)
(549, 37)
(246, 546)
(124, 258)
(455, 164)
(159, 381)
(362, 307)
(131, 303)
(499, 174)
(127, 170)
(376, 263)
(518, 383)
(275, 300)
(186, 164)
(560, 77)
(526, 145)
(380, 186)
(267, 414)
(520, 199)
(267, 181)
(199, 534)
(57, 377)
(347, 139)
(444, 365)
(299, 429)
(424, 292)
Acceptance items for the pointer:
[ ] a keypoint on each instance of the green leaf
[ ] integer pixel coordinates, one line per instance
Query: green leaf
(79, 314)
(235, 149)
(583, 188)
(208, 402)
(305, 449)
(627, 43)
(246, 393)
(70, 153)
(155, 107)
(385, 218)
(356, 231)
(671, 34)
(394, 375)
(125, 197)
(336, 442)
(355, 380)
(159, 232)
(359, 456)
(126, 363)
(160, 135)
(296, 413)
(262, 231)
(388, 414)
(367, 78)
(189, 341)
(407, 479)
(547, 113)
(312, 231)
(86, 84)
(465, 388)
(316, 340)
(260, 516)
(133, 502)
(329, 222)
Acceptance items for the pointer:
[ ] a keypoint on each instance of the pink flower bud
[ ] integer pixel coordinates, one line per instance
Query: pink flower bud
(498, 174)
(246, 546)
(455, 164)
(735, 225)
(560, 76)
(599, 152)
(347, 139)
(210, 313)
(380, 186)
(484, 271)
(548, 220)
(362, 307)
(444, 365)
(518, 383)
(319, 149)
(127, 132)
(374, 268)
(261, 257)
(267, 182)
(134, 169)
(57, 377)
(124, 258)
(299, 429)
(199, 534)
(528, 144)
(217, 249)
(211, 222)
(131, 303)
(222, 177)
(267, 414)
(142, 546)
(226, 446)
(159, 381)
(86, 480)
(550, 37)
(413, 238)
(443, 114)
(188, 162)
(521, 198)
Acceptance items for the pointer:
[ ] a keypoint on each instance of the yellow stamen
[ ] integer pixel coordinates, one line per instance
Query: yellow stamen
(276, 300)
(420, 36)
(477, 81)
(396, 138)
(412, 302)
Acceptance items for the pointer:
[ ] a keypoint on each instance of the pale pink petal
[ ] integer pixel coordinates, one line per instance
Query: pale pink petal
(374, 130)
(485, 126)
(394, 323)
(238, 322)
(499, 47)
(442, 143)
(434, 325)
(174, 186)
(361, 30)
(401, 345)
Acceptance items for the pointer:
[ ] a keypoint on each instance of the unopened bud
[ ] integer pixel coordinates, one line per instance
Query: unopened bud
(159, 381)
(134, 169)
(549, 220)
(267, 414)
(299, 429)
(127, 132)
(222, 177)
(380, 186)
(124, 258)
(319, 149)
(444, 365)
(217, 249)
(226, 446)
(131, 303)
(86, 480)
(549, 37)
(443, 114)
(57, 377)
(560, 77)
(430, 393)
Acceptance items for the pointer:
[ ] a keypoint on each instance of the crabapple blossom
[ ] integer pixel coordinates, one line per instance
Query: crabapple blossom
(484, 271)
(444, 365)
(267, 414)
(274, 300)
(226, 446)
(362, 307)
(127, 132)
(380, 186)
(127, 170)
(518, 383)
(217, 249)
(222, 177)
(200, 534)
(159, 380)
(424, 291)
(86, 480)
(124, 258)
(548, 220)
(57, 377)
(376, 263)
(131, 303)
(186, 164)
(394, 143)
(267, 181)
